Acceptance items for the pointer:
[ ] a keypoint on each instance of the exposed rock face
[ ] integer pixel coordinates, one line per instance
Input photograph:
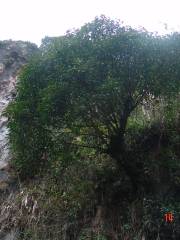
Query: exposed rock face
(13, 55)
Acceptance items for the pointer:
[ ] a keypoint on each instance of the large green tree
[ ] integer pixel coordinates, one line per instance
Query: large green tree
(85, 86)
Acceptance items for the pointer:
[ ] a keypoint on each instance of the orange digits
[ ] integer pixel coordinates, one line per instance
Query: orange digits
(169, 217)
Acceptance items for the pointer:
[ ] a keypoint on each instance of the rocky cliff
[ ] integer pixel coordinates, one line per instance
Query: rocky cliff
(13, 55)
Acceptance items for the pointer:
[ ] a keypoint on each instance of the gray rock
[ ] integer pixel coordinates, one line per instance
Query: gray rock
(13, 55)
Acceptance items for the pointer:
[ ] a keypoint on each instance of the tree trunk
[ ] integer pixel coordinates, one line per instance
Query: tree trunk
(117, 151)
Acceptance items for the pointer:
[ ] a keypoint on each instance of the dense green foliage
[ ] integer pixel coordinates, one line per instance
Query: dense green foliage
(83, 87)
(104, 91)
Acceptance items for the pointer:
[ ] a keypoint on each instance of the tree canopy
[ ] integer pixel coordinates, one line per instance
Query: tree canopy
(80, 91)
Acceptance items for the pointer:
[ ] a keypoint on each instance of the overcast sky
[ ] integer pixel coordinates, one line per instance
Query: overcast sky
(31, 20)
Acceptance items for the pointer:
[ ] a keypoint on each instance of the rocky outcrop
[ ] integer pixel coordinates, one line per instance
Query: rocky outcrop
(13, 55)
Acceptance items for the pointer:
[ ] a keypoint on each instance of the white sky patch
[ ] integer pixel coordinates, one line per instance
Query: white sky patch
(32, 20)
